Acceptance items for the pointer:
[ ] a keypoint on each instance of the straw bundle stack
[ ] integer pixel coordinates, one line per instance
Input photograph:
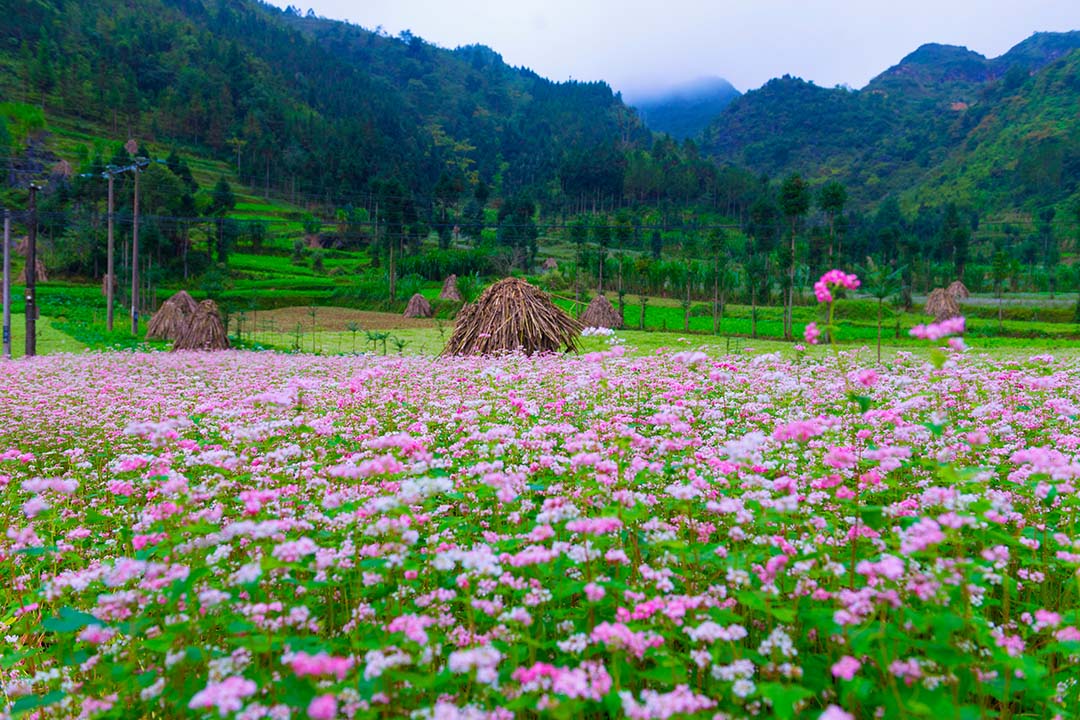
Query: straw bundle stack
(450, 290)
(418, 307)
(512, 315)
(171, 320)
(942, 305)
(602, 314)
(205, 331)
(958, 291)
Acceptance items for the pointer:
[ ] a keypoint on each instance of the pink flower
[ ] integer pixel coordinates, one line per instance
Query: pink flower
(909, 670)
(834, 712)
(618, 635)
(226, 695)
(95, 634)
(831, 279)
(868, 378)
(322, 664)
(846, 667)
(1068, 634)
(324, 707)
(590, 681)
(840, 457)
(936, 331)
(690, 357)
(680, 701)
(812, 334)
(595, 526)
(35, 506)
(920, 536)
(594, 592)
(413, 626)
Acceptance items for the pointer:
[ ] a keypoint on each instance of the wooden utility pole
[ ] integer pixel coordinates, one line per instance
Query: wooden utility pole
(31, 276)
(135, 258)
(110, 271)
(7, 284)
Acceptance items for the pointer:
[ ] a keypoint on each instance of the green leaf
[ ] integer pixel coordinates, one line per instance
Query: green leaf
(36, 551)
(934, 429)
(864, 402)
(146, 679)
(784, 697)
(69, 620)
(872, 516)
(10, 660)
(32, 702)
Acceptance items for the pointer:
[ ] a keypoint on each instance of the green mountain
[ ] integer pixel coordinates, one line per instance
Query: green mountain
(1023, 147)
(686, 110)
(914, 126)
(304, 105)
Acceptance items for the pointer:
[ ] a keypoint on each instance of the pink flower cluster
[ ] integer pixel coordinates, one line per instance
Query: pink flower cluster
(303, 665)
(474, 538)
(595, 526)
(591, 681)
(936, 331)
(834, 279)
(226, 696)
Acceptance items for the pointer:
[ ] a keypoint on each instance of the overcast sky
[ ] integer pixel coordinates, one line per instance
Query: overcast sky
(639, 47)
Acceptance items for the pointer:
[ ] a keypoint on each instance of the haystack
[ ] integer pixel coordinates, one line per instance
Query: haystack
(205, 331)
(418, 307)
(39, 276)
(601, 314)
(450, 290)
(171, 320)
(958, 291)
(62, 169)
(550, 264)
(941, 305)
(512, 315)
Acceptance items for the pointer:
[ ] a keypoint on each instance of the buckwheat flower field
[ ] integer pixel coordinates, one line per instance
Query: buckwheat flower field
(253, 535)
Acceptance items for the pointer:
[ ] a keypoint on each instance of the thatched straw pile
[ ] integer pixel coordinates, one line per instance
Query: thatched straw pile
(958, 291)
(205, 331)
(418, 307)
(942, 305)
(550, 264)
(512, 315)
(62, 169)
(450, 290)
(601, 314)
(171, 320)
(39, 276)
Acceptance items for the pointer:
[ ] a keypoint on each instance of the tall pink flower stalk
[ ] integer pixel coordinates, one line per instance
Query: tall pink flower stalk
(823, 291)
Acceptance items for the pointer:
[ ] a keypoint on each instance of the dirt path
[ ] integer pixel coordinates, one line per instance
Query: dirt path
(331, 319)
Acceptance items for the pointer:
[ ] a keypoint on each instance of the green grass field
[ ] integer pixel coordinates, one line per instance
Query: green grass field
(50, 340)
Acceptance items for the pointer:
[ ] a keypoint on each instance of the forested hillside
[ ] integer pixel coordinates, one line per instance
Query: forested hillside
(305, 105)
(917, 128)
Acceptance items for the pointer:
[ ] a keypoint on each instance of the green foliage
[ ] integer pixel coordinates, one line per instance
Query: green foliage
(469, 286)
(436, 265)
(945, 123)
